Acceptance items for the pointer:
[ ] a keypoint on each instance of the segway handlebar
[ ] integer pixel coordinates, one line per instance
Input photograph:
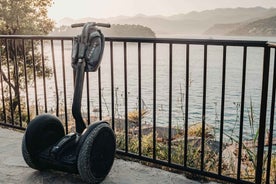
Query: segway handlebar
(93, 23)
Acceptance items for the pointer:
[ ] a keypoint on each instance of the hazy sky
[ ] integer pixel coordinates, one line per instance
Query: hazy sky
(111, 8)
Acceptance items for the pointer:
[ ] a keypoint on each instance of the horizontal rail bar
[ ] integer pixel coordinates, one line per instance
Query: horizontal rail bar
(190, 41)
(12, 126)
(251, 43)
(36, 37)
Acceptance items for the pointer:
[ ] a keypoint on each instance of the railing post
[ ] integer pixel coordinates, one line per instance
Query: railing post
(262, 123)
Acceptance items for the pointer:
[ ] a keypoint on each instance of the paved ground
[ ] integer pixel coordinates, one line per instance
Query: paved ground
(13, 169)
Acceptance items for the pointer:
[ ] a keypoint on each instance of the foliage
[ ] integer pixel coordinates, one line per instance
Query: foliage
(273, 168)
(133, 116)
(249, 151)
(20, 118)
(25, 17)
(177, 150)
(21, 60)
(196, 130)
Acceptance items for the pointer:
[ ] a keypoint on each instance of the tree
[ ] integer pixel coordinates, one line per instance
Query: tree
(25, 17)
(22, 17)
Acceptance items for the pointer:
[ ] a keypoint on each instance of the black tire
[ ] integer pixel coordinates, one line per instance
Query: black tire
(97, 154)
(42, 132)
(27, 157)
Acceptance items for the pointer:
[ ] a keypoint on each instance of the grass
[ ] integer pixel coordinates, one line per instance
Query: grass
(177, 148)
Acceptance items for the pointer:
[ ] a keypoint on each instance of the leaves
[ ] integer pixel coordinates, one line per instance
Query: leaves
(22, 17)
(19, 59)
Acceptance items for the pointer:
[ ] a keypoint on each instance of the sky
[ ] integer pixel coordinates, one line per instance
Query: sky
(112, 8)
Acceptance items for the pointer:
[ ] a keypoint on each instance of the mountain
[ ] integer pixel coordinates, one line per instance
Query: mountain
(262, 27)
(219, 21)
(227, 15)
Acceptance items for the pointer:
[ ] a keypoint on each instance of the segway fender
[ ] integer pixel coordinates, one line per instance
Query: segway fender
(86, 132)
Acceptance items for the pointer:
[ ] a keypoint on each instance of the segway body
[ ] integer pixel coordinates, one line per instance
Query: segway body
(90, 151)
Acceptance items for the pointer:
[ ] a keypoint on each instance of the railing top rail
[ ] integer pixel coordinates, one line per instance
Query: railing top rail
(250, 43)
(36, 37)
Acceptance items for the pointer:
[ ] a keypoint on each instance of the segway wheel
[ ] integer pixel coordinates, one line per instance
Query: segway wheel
(42, 132)
(97, 154)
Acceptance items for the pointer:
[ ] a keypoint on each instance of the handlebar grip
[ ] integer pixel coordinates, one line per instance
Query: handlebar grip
(77, 25)
(103, 25)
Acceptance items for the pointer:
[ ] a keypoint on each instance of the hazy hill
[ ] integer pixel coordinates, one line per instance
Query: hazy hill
(262, 27)
(191, 23)
(222, 29)
(227, 15)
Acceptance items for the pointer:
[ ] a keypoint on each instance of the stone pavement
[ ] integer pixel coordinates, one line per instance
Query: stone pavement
(13, 169)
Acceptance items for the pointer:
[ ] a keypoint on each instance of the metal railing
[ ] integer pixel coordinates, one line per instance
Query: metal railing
(154, 92)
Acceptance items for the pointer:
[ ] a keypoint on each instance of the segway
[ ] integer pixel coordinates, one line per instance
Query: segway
(90, 151)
